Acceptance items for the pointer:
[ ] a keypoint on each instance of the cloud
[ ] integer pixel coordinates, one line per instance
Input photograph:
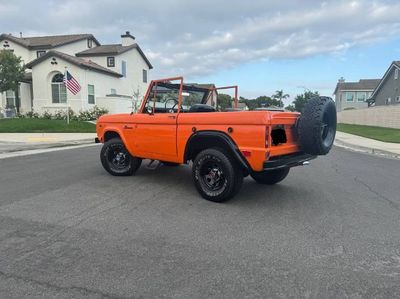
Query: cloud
(196, 38)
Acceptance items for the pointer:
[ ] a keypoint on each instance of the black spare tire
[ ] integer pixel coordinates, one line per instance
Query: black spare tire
(317, 126)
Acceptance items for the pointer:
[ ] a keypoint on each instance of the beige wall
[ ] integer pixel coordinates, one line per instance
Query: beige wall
(375, 116)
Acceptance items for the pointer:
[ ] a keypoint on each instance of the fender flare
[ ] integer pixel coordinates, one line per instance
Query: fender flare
(225, 139)
(118, 131)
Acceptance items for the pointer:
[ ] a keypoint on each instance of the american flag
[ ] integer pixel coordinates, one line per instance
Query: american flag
(71, 84)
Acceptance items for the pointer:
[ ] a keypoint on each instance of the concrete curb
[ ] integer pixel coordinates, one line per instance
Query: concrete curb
(43, 146)
(367, 150)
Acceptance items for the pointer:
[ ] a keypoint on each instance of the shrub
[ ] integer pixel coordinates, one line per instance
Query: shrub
(62, 114)
(32, 114)
(91, 114)
(46, 115)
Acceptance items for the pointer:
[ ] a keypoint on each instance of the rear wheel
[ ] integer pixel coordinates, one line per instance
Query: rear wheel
(216, 175)
(116, 159)
(270, 177)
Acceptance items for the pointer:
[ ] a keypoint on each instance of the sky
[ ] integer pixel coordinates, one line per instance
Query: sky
(260, 45)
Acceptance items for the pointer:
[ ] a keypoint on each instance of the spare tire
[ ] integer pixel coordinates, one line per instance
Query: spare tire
(317, 126)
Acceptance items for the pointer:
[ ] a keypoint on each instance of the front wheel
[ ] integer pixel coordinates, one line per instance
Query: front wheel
(116, 159)
(216, 175)
(270, 177)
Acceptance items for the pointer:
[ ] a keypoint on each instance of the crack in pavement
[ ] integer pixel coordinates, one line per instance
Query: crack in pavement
(378, 195)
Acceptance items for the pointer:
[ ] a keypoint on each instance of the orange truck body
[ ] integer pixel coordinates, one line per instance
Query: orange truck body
(164, 136)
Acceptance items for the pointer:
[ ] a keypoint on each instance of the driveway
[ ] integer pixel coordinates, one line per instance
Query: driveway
(70, 230)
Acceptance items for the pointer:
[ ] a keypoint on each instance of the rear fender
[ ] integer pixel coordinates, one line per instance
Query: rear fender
(199, 140)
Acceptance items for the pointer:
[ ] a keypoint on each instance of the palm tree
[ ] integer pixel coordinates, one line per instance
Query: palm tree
(279, 95)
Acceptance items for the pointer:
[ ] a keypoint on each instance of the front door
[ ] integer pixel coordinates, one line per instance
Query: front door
(156, 124)
(156, 134)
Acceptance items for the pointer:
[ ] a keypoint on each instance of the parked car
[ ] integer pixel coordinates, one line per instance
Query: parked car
(175, 126)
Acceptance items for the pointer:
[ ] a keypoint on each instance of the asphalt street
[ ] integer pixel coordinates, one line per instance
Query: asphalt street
(70, 230)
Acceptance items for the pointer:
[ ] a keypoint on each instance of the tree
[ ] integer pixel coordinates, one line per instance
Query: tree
(261, 101)
(280, 96)
(290, 108)
(224, 101)
(301, 99)
(11, 73)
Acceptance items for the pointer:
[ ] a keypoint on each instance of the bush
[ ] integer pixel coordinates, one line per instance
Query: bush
(46, 115)
(61, 114)
(32, 114)
(91, 114)
(349, 108)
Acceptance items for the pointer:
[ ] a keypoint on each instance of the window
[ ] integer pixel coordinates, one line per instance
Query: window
(110, 61)
(58, 90)
(10, 99)
(398, 99)
(40, 53)
(396, 73)
(361, 96)
(113, 91)
(89, 43)
(91, 97)
(350, 96)
(123, 68)
(369, 94)
(144, 76)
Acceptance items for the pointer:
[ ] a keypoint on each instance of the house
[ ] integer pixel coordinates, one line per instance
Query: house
(108, 74)
(388, 90)
(354, 95)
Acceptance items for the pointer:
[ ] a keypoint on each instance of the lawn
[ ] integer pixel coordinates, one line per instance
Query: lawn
(377, 133)
(29, 125)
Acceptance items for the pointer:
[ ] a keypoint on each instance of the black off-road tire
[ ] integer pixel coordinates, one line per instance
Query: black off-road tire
(270, 177)
(317, 126)
(115, 149)
(229, 181)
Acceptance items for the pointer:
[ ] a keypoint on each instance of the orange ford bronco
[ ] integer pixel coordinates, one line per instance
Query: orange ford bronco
(178, 123)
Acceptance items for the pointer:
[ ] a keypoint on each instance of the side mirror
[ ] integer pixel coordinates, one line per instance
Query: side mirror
(149, 110)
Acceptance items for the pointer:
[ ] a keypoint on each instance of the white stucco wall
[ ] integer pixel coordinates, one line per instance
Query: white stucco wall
(73, 48)
(115, 104)
(43, 73)
(20, 51)
(134, 65)
(134, 78)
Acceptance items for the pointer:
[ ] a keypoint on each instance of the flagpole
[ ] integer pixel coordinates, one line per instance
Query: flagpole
(66, 92)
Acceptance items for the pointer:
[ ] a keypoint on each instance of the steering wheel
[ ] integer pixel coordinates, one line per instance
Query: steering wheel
(171, 110)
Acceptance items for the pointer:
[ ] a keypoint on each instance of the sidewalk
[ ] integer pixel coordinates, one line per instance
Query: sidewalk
(363, 144)
(13, 142)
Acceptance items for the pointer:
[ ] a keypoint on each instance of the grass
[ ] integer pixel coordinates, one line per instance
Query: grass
(377, 133)
(29, 125)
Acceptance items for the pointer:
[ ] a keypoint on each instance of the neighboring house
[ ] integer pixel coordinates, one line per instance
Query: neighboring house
(354, 95)
(388, 90)
(108, 74)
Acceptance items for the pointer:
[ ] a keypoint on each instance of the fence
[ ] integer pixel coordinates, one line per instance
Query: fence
(381, 116)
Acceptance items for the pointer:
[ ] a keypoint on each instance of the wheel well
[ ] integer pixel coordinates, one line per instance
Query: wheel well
(110, 135)
(200, 142)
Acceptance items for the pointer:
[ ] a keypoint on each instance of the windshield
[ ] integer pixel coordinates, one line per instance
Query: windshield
(164, 97)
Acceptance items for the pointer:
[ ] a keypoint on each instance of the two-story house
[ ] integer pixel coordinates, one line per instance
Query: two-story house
(354, 95)
(108, 74)
(388, 90)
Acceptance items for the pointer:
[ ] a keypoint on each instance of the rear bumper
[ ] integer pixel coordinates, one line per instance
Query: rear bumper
(291, 160)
